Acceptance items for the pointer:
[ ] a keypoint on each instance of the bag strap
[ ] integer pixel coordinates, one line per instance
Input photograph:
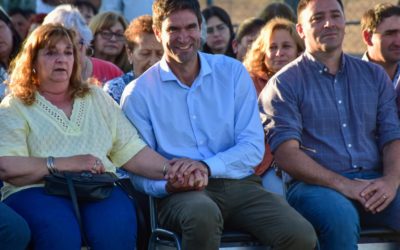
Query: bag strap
(74, 199)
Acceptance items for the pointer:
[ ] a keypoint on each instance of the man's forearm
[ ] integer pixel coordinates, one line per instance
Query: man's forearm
(391, 161)
(301, 167)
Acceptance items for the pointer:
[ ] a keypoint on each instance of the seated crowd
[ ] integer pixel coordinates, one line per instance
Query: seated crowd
(213, 137)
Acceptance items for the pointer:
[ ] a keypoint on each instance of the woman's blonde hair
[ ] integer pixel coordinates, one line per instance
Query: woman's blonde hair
(254, 58)
(104, 21)
(23, 82)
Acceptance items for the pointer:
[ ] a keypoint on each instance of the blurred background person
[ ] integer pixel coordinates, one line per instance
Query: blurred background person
(109, 42)
(10, 42)
(273, 10)
(292, 3)
(52, 112)
(21, 19)
(380, 27)
(143, 51)
(46, 6)
(246, 34)
(87, 9)
(130, 9)
(22, 4)
(71, 18)
(36, 21)
(220, 33)
(277, 44)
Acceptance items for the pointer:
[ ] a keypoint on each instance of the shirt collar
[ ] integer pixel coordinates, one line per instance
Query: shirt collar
(166, 73)
(320, 67)
(365, 57)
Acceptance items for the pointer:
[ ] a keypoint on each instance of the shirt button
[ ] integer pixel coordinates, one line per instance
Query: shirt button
(349, 145)
(320, 71)
(344, 125)
(325, 69)
(355, 166)
(335, 81)
(194, 117)
(340, 101)
(201, 142)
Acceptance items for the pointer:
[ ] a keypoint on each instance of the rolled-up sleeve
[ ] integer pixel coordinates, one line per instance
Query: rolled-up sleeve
(278, 105)
(388, 124)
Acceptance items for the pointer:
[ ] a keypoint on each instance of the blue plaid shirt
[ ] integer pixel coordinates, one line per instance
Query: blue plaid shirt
(341, 121)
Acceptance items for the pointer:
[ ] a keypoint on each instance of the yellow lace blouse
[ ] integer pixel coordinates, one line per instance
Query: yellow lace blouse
(97, 126)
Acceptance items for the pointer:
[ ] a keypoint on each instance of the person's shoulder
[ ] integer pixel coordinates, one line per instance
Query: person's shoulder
(8, 101)
(357, 64)
(97, 62)
(218, 59)
(292, 69)
(220, 63)
(120, 80)
(150, 77)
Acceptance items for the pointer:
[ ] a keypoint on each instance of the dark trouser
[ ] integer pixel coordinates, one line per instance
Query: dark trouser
(235, 204)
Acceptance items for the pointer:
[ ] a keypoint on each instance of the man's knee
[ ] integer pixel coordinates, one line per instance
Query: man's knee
(333, 216)
(202, 216)
(297, 233)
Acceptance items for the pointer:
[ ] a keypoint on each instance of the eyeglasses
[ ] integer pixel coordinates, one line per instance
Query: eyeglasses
(220, 28)
(108, 35)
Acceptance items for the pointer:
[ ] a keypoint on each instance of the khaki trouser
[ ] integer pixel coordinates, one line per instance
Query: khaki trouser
(201, 216)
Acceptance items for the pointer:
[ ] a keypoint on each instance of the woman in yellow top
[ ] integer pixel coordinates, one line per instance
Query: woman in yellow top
(52, 119)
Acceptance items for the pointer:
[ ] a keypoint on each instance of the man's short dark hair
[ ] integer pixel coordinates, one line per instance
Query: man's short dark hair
(162, 9)
(375, 16)
(303, 4)
(248, 26)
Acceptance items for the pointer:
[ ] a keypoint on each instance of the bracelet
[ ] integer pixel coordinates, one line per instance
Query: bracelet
(50, 165)
(165, 168)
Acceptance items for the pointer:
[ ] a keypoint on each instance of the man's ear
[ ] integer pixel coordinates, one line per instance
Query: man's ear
(129, 54)
(299, 29)
(235, 45)
(157, 33)
(367, 37)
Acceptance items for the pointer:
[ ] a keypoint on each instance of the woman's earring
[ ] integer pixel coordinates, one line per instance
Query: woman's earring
(34, 71)
(89, 51)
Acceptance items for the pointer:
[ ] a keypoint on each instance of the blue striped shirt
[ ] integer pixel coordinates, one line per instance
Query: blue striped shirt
(341, 121)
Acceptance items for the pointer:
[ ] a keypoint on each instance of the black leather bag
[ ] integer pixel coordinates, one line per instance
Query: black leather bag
(88, 186)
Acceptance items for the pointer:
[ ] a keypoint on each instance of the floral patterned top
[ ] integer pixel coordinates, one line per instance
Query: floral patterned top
(116, 86)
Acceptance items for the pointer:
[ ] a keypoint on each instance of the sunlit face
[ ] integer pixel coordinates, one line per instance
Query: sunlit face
(218, 35)
(54, 64)
(21, 24)
(180, 37)
(147, 51)
(281, 49)
(385, 41)
(6, 42)
(322, 26)
(109, 43)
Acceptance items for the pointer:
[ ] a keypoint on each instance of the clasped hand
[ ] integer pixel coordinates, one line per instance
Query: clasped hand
(376, 194)
(185, 175)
